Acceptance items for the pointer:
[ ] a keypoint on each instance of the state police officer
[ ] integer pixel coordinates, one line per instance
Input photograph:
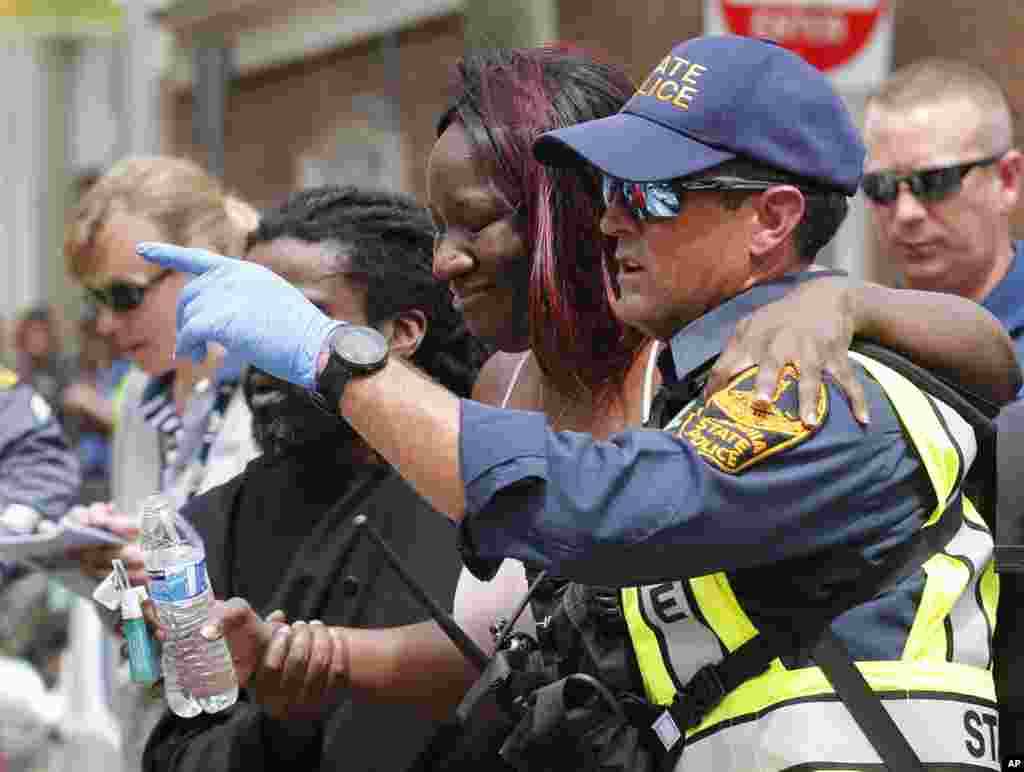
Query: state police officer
(723, 176)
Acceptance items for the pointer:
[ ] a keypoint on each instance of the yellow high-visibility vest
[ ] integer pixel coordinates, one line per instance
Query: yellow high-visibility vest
(941, 691)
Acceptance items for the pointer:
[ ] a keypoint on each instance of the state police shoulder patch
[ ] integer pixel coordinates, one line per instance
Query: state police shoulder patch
(732, 431)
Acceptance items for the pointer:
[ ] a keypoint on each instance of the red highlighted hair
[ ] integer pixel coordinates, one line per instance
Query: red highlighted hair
(505, 99)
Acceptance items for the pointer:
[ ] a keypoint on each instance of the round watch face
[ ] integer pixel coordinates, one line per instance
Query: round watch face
(360, 345)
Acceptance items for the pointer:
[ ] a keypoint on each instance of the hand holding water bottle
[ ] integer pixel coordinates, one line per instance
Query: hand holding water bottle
(198, 673)
(295, 672)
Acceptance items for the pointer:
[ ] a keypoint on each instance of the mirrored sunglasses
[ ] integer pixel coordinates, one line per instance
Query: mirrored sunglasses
(652, 201)
(122, 295)
(927, 185)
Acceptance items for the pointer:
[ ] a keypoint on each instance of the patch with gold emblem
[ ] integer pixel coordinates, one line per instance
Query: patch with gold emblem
(734, 430)
(8, 378)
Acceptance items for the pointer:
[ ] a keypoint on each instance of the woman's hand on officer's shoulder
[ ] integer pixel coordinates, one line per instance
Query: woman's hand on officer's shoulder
(811, 327)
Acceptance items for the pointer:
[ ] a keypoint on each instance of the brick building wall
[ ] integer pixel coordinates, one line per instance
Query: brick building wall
(631, 33)
(278, 117)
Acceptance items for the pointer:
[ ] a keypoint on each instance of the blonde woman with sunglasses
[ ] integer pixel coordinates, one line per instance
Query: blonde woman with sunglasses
(182, 428)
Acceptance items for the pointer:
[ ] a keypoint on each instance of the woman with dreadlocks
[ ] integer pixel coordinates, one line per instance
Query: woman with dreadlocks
(281, 534)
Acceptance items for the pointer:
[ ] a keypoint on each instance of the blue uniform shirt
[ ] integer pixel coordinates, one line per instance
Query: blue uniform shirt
(646, 506)
(1006, 301)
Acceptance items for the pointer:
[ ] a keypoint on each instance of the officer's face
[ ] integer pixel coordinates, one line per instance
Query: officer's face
(146, 333)
(951, 245)
(479, 248)
(283, 415)
(671, 272)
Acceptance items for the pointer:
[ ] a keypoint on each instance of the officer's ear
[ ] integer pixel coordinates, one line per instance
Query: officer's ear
(777, 212)
(405, 332)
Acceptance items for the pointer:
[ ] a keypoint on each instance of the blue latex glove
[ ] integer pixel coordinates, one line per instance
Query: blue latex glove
(231, 368)
(251, 311)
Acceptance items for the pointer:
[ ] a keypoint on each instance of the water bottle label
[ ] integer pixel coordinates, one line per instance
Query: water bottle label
(180, 583)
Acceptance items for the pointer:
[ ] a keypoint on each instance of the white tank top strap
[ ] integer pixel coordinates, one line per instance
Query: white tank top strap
(515, 379)
(478, 604)
(648, 392)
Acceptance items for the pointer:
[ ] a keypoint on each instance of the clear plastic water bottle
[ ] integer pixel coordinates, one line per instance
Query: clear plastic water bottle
(198, 674)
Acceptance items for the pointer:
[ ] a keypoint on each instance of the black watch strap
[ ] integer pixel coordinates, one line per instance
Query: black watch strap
(330, 385)
(352, 351)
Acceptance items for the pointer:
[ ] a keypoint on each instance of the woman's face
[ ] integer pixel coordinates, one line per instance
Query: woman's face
(146, 334)
(480, 248)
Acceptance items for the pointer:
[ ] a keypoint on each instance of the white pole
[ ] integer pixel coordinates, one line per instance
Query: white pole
(92, 738)
(22, 150)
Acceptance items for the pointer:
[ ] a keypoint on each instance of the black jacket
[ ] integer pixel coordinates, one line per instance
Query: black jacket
(272, 539)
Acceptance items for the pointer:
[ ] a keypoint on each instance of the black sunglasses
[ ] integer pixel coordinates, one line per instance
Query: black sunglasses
(928, 185)
(663, 200)
(122, 295)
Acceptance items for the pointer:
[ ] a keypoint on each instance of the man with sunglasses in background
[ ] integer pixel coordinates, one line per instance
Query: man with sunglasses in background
(752, 556)
(942, 178)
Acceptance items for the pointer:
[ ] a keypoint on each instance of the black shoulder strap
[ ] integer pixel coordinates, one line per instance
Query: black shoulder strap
(713, 682)
(831, 655)
(978, 411)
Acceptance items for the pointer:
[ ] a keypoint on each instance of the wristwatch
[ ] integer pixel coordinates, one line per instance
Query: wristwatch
(354, 351)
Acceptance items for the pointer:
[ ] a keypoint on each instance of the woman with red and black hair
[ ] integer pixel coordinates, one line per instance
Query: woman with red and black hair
(552, 296)
(521, 247)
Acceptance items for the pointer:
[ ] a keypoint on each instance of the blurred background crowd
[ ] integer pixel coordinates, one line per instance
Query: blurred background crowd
(274, 97)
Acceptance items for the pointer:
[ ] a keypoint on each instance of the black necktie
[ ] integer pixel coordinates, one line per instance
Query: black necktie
(671, 398)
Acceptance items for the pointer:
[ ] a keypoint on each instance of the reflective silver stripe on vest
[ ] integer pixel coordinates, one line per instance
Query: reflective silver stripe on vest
(812, 732)
(686, 643)
(971, 627)
(960, 432)
(971, 630)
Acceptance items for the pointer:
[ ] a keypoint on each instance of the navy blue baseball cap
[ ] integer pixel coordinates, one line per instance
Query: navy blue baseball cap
(714, 98)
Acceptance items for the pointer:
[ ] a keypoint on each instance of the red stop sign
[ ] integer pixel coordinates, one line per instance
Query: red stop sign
(826, 34)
